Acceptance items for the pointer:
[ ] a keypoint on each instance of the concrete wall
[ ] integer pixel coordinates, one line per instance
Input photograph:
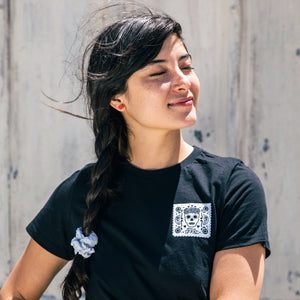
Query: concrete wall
(247, 55)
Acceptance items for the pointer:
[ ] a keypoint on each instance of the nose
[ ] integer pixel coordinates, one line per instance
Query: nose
(181, 82)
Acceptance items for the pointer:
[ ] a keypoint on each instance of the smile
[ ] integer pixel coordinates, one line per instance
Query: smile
(182, 102)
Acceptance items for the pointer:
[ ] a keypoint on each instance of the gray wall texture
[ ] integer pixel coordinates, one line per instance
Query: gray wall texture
(247, 55)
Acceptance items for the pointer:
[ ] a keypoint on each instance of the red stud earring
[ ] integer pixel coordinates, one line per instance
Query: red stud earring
(121, 106)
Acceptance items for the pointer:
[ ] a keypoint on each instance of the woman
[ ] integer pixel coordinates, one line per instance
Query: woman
(154, 217)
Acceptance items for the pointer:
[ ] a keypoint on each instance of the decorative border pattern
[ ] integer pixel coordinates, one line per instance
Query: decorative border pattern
(191, 220)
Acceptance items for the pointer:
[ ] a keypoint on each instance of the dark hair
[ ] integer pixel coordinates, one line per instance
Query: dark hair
(120, 50)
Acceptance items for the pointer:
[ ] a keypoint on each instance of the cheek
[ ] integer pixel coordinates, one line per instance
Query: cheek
(154, 94)
(195, 88)
(157, 87)
(195, 84)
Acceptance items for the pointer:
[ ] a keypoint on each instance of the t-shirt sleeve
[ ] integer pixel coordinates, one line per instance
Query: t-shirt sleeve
(51, 228)
(243, 217)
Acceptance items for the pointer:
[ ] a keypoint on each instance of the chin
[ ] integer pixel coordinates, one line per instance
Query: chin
(190, 119)
(189, 122)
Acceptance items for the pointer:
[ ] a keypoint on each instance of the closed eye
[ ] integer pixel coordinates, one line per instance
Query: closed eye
(163, 72)
(157, 74)
(188, 68)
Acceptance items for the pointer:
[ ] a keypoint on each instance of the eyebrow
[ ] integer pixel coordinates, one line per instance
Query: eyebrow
(157, 61)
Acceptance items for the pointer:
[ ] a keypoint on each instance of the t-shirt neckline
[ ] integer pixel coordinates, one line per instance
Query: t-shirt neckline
(188, 160)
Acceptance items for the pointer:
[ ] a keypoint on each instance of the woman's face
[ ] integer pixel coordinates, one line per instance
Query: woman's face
(164, 94)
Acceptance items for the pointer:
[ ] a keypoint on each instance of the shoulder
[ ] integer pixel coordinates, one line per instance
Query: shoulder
(78, 180)
(80, 176)
(238, 197)
(64, 209)
(214, 166)
(213, 160)
(223, 173)
(74, 187)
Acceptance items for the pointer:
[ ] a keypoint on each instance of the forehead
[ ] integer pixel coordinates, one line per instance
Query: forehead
(173, 50)
(172, 45)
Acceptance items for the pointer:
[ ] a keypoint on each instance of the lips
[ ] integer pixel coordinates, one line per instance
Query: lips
(182, 102)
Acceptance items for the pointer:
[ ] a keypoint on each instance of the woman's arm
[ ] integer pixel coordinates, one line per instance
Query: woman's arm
(238, 273)
(32, 274)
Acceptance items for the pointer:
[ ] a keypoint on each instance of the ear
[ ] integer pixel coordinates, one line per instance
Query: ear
(117, 104)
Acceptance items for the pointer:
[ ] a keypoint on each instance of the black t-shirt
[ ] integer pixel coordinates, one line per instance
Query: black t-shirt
(158, 239)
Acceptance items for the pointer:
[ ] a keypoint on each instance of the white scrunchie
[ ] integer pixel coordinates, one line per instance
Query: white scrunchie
(84, 245)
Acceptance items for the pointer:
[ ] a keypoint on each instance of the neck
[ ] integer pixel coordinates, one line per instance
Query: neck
(158, 150)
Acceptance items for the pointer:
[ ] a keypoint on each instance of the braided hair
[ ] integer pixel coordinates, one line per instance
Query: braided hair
(120, 50)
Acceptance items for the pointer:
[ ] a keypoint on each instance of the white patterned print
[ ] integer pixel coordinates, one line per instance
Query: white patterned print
(192, 220)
